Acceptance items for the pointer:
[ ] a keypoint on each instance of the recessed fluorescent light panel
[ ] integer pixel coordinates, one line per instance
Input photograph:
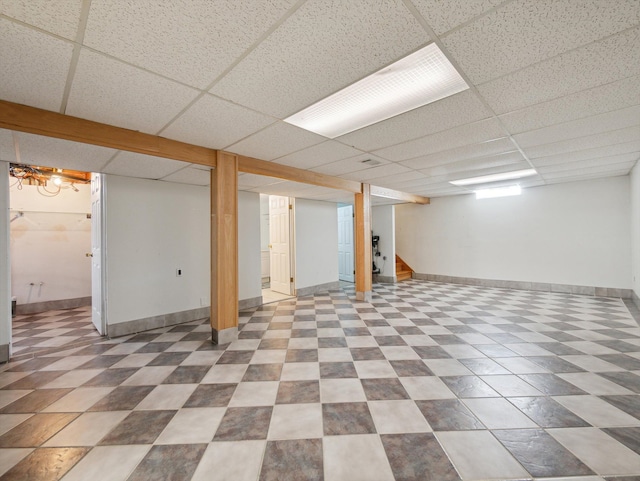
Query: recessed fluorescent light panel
(498, 192)
(416, 80)
(516, 174)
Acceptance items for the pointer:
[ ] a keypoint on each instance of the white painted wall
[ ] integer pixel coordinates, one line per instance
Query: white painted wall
(383, 224)
(5, 262)
(635, 229)
(249, 275)
(316, 243)
(576, 233)
(153, 228)
(49, 244)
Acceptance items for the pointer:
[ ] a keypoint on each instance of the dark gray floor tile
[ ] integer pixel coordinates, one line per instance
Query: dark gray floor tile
(32, 364)
(262, 372)
(367, 354)
(620, 346)
(295, 460)
(540, 454)
(431, 352)
(347, 418)
(111, 377)
(35, 401)
(101, 362)
(383, 389)
(152, 347)
(187, 375)
(448, 415)
(332, 342)
(418, 457)
(625, 379)
(235, 357)
(139, 427)
(35, 380)
(390, 341)
(494, 350)
(622, 360)
(211, 395)
(302, 355)
(169, 359)
(547, 413)
(630, 437)
(36, 430)
(144, 337)
(296, 333)
(446, 339)
(337, 370)
(170, 462)
(551, 385)
(469, 386)
(627, 403)
(356, 331)
(408, 331)
(197, 336)
(123, 398)
(484, 366)
(277, 326)
(559, 349)
(298, 392)
(274, 344)
(240, 424)
(46, 464)
(555, 364)
(411, 368)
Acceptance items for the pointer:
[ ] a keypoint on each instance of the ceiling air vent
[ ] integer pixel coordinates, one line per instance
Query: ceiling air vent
(370, 162)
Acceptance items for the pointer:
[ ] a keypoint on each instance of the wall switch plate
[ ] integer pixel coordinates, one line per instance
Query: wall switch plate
(178, 272)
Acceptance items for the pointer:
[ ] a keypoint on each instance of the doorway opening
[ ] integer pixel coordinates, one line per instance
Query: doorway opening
(55, 245)
(277, 248)
(346, 249)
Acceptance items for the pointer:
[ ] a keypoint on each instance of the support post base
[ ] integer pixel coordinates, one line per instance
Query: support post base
(365, 296)
(225, 336)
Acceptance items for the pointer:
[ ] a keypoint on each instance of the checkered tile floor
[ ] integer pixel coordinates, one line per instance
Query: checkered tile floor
(37, 334)
(427, 382)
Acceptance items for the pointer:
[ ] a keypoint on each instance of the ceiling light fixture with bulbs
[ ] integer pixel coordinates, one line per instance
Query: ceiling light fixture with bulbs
(485, 179)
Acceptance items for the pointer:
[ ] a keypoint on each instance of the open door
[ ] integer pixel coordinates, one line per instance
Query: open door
(280, 244)
(345, 244)
(97, 195)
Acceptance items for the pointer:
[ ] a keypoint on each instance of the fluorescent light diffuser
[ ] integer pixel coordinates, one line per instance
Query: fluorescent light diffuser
(498, 192)
(416, 80)
(516, 174)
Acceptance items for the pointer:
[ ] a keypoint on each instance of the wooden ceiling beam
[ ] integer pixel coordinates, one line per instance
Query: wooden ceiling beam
(398, 195)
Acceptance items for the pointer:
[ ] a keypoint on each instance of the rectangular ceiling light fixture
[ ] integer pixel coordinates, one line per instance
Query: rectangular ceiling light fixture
(516, 174)
(498, 192)
(413, 81)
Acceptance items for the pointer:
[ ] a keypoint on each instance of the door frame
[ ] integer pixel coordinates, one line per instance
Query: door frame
(103, 257)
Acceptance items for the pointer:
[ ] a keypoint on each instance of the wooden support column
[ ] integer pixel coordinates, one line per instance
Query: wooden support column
(224, 249)
(363, 243)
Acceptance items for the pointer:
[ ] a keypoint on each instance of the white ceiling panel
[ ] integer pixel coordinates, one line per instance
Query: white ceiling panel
(60, 16)
(320, 154)
(62, 154)
(115, 93)
(131, 164)
(443, 16)
(34, 66)
(215, 123)
(321, 48)
(465, 152)
(599, 63)
(614, 137)
(285, 188)
(193, 42)
(562, 177)
(7, 148)
(596, 124)
(348, 166)
(598, 100)
(249, 181)
(459, 109)
(523, 32)
(479, 171)
(418, 179)
(476, 132)
(336, 196)
(462, 166)
(275, 141)
(386, 171)
(586, 154)
(614, 162)
(194, 175)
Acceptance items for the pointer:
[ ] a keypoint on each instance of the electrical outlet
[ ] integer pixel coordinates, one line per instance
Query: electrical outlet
(384, 258)
(178, 272)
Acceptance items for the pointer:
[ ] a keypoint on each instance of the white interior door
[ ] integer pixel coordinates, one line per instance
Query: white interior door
(345, 244)
(97, 190)
(280, 244)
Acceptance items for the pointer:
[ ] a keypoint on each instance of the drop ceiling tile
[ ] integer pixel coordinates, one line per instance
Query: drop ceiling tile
(409, 176)
(586, 154)
(109, 91)
(597, 100)
(459, 109)
(471, 165)
(465, 152)
(563, 177)
(285, 188)
(192, 42)
(319, 154)
(418, 180)
(476, 132)
(60, 16)
(249, 181)
(276, 141)
(386, 171)
(34, 66)
(215, 123)
(336, 197)
(62, 154)
(597, 124)
(321, 48)
(599, 63)
(194, 175)
(131, 164)
(7, 149)
(613, 137)
(604, 164)
(521, 33)
(348, 166)
(440, 179)
(443, 16)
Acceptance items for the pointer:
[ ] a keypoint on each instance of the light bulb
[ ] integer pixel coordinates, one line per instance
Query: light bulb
(56, 180)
